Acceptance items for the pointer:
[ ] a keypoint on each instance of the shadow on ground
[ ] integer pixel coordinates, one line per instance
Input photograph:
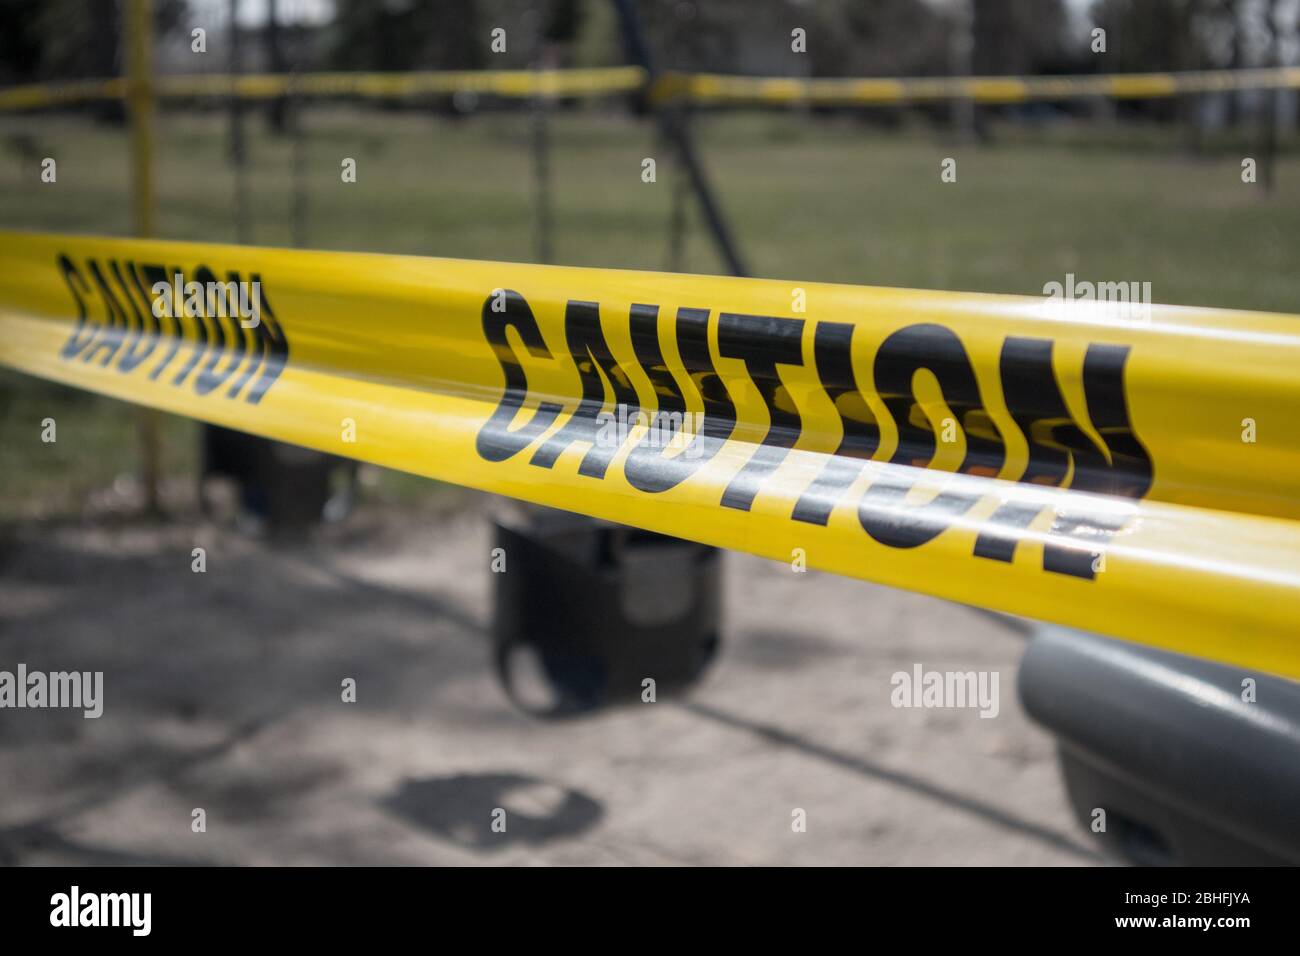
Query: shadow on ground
(223, 694)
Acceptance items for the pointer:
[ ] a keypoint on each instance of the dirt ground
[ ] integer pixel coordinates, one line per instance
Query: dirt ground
(222, 692)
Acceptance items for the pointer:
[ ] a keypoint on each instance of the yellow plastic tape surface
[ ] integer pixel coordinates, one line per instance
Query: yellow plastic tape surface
(1134, 474)
(698, 87)
(504, 83)
(720, 89)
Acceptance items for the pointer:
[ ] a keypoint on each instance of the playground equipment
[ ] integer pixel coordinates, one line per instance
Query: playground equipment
(1097, 474)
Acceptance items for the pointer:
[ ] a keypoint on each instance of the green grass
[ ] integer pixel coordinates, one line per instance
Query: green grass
(809, 198)
(96, 442)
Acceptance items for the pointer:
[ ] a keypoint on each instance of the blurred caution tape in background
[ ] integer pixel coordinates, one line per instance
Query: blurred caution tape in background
(708, 88)
(701, 88)
(504, 83)
(1126, 469)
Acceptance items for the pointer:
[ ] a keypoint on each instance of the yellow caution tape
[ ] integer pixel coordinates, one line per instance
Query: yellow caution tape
(44, 95)
(1125, 469)
(718, 89)
(701, 88)
(504, 83)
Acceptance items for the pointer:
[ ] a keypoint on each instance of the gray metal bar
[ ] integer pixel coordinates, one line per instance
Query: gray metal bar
(676, 129)
(1199, 773)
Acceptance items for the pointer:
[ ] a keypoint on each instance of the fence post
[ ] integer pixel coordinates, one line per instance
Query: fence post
(238, 146)
(140, 102)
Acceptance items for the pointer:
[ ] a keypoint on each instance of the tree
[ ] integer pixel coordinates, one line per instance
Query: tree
(1018, 37)
(431, 35)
